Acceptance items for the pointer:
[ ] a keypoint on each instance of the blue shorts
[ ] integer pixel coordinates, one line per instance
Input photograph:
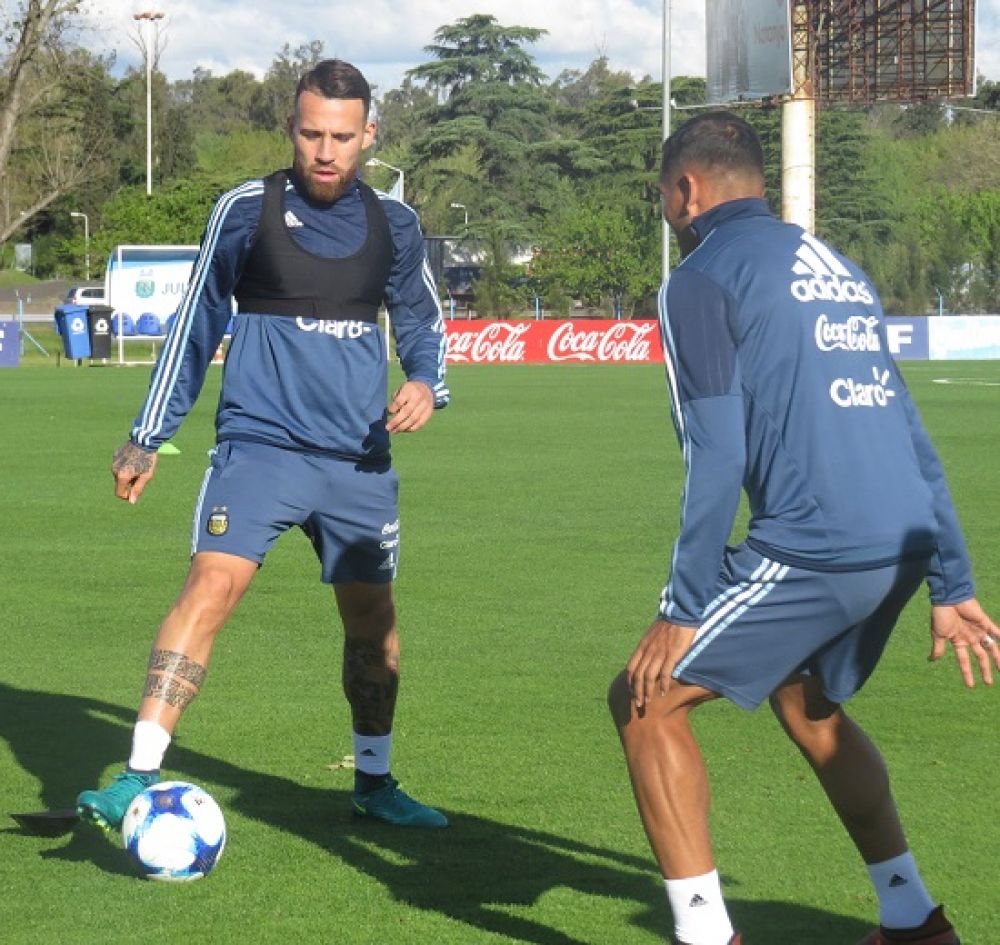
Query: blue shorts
(770, 620)
(253, 492)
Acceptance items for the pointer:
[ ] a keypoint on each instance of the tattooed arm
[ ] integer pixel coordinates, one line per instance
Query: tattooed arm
(132, 468)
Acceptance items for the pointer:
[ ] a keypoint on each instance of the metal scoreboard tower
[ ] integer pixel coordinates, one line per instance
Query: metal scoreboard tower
(861, 52)
(854, 52)
(892, 50)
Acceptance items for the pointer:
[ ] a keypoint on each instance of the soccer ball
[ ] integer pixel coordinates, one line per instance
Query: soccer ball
(174, 831)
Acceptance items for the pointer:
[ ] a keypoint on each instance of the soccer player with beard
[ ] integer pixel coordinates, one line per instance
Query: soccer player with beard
(303, 429)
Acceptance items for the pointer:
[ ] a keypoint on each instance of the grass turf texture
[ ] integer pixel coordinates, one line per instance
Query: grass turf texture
(538, 515)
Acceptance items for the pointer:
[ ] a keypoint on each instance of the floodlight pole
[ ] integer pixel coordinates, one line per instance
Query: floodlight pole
(77, 215)
(798, 130)
(149, 40)
(665, 227)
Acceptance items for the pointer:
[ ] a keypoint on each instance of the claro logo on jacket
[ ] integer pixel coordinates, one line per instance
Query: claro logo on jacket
(826, 278)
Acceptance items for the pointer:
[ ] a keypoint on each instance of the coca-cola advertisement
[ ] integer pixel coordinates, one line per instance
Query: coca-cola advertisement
(554, 342)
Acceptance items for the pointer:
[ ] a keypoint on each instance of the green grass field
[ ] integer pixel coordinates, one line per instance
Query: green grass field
(538, 516)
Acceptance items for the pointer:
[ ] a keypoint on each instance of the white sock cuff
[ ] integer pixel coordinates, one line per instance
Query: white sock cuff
(700, 915)
(372, 753)
(903, 899)
(149, 745)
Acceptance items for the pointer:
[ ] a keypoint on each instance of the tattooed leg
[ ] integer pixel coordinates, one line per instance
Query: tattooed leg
(371, 655)
(371, 681)
(184, 642)
(173, 678)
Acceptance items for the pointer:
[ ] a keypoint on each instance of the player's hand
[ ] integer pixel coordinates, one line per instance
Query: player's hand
(411, 407)
(968, 628)
(132, 468)
(659, 651)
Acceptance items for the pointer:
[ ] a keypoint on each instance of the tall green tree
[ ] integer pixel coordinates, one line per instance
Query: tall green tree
(273, 100)
(477, 49)
(217, 104)
(490, 98)
(599, 254)
(53, 111)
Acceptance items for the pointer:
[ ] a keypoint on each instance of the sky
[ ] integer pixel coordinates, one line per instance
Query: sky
(384, 38)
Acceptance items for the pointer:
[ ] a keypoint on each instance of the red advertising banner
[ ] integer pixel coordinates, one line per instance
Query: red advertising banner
(544, 342)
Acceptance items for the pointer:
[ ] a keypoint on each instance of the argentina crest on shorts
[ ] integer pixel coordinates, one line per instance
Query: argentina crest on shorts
(218, 521)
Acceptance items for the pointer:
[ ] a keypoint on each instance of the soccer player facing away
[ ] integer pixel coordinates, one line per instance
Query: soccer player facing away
(781, 382)
(309, 253)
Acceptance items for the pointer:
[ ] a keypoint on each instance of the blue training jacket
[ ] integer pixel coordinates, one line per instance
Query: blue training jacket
(297, 383)
(781, 383)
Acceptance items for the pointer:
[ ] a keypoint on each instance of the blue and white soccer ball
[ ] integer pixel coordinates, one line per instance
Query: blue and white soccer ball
(174, 831)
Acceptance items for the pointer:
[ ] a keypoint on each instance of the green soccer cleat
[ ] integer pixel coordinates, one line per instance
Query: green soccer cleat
(106, 809)
(393, 805)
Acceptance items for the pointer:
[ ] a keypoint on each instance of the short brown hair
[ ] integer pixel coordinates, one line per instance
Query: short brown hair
(334, 78)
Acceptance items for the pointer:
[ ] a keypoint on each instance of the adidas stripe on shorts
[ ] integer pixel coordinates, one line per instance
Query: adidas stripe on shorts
(770, 620)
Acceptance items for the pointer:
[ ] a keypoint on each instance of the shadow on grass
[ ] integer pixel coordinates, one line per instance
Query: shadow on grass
(479, 872)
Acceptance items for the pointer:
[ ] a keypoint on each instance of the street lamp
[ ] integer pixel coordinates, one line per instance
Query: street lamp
(86, 237)
(464, 209)
(152, 17)
(397, 188)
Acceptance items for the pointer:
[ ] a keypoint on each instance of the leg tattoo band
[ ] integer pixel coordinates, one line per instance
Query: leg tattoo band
(173, 678)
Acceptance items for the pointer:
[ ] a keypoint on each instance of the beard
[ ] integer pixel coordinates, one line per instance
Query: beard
(321, 191)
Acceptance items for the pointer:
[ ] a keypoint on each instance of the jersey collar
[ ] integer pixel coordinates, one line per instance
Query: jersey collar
(741, 209)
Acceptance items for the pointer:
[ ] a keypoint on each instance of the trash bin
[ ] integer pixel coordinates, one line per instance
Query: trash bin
(72, 325)
(100, 331)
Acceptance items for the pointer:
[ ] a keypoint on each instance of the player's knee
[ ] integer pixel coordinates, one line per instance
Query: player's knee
(371, 618)
(815, 731)
(211, 586)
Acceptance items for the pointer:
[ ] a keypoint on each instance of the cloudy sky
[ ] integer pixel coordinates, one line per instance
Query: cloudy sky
(386, 37)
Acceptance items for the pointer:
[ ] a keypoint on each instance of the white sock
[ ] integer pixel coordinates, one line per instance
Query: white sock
(903, 900)
(700, 916)
(371, 753)
(149, 745)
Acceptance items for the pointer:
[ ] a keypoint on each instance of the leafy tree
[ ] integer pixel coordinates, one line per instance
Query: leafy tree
(398, 112)
(598, 253)
(176, 212)
(476, 50)
(490, 99)
(54, 135)
(987, 95)
(500, 289)
(852, 210)
(225, 160)
(961, 234)
(217, 104)
(273, 100)
(574, 89)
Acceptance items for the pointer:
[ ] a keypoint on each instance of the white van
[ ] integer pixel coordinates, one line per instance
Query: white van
(86, 295)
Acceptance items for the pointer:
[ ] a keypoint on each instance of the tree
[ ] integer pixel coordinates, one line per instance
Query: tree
(499, 290)
(477, 49)
(596, 253)
(491, 100)
(274, 99)
(398, 112)
(575, 90)
(54, 105)
(217, 104)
